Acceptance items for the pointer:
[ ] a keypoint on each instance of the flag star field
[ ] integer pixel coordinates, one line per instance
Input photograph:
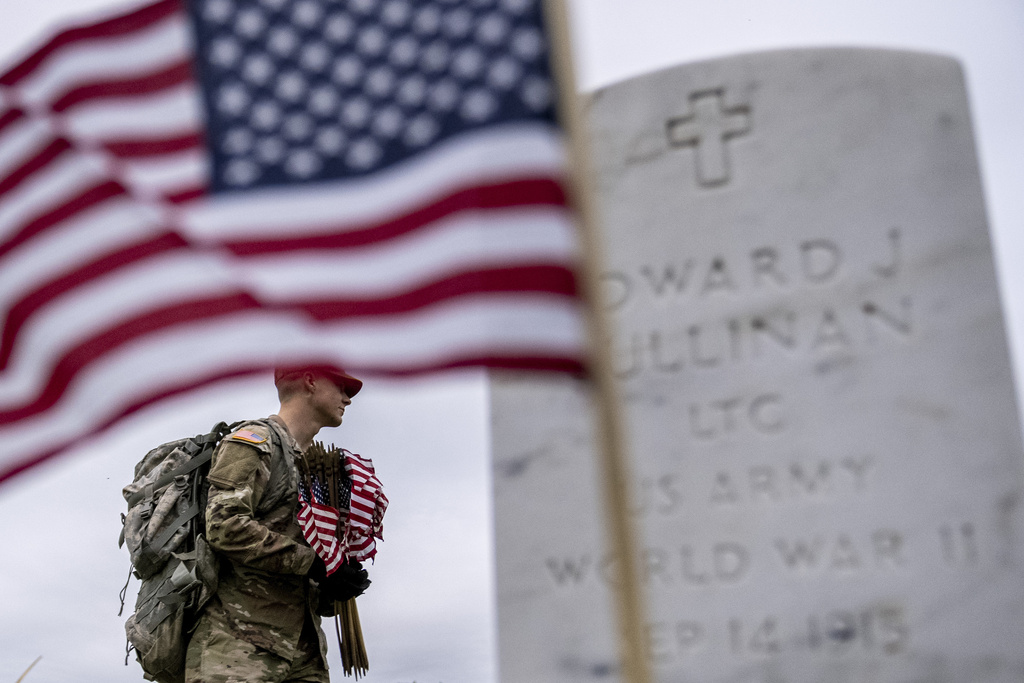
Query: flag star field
(303, 90)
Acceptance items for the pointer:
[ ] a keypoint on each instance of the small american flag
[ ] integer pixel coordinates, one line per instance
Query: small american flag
(191, 192)
(365, 523)
(319, 524)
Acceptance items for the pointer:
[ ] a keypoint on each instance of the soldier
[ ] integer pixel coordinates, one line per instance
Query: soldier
(262, 624)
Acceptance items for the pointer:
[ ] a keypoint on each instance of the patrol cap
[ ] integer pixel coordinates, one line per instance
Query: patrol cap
(349, 384)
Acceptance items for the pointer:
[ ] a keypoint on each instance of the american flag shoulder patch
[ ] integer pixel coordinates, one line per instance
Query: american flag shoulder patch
(246, 436)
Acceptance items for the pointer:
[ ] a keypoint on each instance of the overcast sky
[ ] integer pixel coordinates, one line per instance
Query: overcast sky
(429, 615)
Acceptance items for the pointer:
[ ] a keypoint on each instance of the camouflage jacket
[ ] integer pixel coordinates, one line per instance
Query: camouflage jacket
(264, 595)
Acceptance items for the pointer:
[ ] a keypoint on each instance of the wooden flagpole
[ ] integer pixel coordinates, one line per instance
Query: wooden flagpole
(616, 481)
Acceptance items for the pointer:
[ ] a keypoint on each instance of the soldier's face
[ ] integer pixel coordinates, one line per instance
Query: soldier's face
(329, 402)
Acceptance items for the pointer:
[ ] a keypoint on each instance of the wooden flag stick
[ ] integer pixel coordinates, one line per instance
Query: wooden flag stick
(616, 481)
(350, 639)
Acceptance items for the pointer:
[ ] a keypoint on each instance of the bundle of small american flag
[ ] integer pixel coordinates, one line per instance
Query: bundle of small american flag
(342, 505)
(341, 511)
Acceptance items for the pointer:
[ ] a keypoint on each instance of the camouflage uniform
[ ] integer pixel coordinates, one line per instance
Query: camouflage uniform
(262, 623)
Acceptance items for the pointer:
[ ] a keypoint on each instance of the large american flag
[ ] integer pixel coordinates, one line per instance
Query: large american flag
(195, 192)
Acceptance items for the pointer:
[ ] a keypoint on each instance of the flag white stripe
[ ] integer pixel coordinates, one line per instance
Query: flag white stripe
(69, 173)
(513, 237)
(509, 237)
(476, 158)
(22, 140)
(167, 173)
(158, 46)
(77, 172)
(93, 307)
(89, 235)
(513, 323)
(168, 112)
(399, 191)
(207, 347)
(58, 182)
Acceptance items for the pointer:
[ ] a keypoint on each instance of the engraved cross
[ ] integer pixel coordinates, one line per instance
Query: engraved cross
(707, 127)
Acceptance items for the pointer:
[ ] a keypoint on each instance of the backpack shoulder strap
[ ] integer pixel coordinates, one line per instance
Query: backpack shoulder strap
(199, 447)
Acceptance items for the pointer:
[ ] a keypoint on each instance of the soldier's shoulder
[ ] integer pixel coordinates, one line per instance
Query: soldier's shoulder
(253, 434)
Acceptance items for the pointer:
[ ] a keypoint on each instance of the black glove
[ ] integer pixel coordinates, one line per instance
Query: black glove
(348, 581)
(318, 570)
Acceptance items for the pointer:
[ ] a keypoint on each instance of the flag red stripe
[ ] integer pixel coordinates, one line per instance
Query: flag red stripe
(523, 360)
(536, 192)
(547, 279)
(84, 200)
(538, 278)
(515, 193)
(540, 360)
(20, 312)
(39, 160)
(115, 27)
(145, 84)
(189, 385)
(101, 344)
(125, 149)
(147, 147)
(187, 195)
(9, 117)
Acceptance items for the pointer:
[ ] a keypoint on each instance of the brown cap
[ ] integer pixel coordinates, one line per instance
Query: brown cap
(349, 384)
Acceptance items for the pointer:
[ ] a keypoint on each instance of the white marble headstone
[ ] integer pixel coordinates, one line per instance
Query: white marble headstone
(816, 385)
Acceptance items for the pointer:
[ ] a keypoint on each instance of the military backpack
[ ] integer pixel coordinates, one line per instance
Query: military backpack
(164, 531)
